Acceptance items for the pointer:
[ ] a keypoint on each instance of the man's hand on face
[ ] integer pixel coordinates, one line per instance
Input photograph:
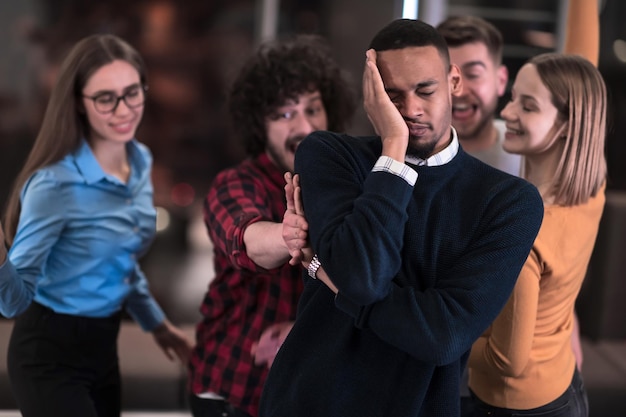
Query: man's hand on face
(382, 113)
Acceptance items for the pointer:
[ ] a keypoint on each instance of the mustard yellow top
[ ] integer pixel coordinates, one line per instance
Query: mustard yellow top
(525, 359)
(582, 33)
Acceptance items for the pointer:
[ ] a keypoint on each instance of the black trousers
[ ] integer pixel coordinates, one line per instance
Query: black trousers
(64, 366)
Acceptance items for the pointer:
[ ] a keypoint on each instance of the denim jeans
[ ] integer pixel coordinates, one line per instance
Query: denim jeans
(572, 403)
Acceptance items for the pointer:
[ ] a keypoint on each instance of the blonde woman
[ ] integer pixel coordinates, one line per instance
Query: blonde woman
(524, 363)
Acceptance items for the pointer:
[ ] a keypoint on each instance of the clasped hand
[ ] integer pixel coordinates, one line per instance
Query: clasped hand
(295, 226)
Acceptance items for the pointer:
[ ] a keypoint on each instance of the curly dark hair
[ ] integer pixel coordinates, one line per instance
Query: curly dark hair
(280, 71)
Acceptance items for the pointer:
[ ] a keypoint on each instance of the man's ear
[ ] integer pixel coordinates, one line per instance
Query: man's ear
(502, 74)
(455, 80)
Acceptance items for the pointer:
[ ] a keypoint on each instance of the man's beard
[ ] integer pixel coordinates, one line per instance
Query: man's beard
(419, 149)
(477, 131)
(279, 158)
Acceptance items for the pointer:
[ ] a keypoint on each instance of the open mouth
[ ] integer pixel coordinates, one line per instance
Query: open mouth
(463, 110)
(293, 143)
(514, 131)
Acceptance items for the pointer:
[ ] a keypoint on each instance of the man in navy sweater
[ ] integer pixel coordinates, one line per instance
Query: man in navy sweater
(420, 246)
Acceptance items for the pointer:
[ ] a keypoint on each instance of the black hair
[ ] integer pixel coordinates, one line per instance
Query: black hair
(279, 71)
(405, 33)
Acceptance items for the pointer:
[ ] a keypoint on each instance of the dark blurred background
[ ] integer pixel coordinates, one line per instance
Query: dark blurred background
(194, 48)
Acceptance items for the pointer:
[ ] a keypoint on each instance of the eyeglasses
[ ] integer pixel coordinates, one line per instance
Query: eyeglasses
(105, 103)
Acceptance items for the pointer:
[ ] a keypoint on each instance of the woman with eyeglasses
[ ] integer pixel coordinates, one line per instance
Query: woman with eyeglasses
(79, 216)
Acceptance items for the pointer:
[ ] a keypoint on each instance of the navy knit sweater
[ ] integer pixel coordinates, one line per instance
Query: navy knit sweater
(421, 271)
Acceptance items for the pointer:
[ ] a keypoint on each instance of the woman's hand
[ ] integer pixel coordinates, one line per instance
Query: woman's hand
(172, 341)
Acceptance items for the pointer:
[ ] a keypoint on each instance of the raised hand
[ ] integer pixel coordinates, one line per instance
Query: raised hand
(295, 226)
(382, 113)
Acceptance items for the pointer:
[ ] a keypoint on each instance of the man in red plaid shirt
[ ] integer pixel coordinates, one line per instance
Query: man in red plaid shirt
(285, 91)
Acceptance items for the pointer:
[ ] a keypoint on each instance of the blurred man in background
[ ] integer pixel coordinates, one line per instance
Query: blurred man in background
(285, 91)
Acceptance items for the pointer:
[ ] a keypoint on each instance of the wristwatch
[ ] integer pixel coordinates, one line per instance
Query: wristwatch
(314, 265)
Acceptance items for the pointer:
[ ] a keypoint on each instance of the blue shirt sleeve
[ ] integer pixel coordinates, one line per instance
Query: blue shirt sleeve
(140, 304)
(40, 224)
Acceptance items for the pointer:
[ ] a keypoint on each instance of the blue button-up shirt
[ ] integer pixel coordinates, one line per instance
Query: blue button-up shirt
(79, 235)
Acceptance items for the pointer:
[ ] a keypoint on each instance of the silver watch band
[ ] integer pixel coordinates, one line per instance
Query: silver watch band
(314, 265)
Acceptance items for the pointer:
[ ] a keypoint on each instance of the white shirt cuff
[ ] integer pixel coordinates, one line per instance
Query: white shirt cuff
(387, 164)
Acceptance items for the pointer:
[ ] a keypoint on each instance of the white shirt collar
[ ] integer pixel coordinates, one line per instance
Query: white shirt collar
(440, 158)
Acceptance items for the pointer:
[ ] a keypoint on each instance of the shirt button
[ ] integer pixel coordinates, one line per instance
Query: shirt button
(135, 229)
(126, 280)
(129, 201)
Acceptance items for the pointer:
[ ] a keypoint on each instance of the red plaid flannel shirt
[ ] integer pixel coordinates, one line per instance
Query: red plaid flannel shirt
(244, 298)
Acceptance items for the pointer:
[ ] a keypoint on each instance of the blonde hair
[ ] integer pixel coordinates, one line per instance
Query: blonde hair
(579, 94)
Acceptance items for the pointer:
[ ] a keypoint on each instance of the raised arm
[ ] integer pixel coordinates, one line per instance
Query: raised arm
(242, 225)
(582, 32)
(582, 37)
